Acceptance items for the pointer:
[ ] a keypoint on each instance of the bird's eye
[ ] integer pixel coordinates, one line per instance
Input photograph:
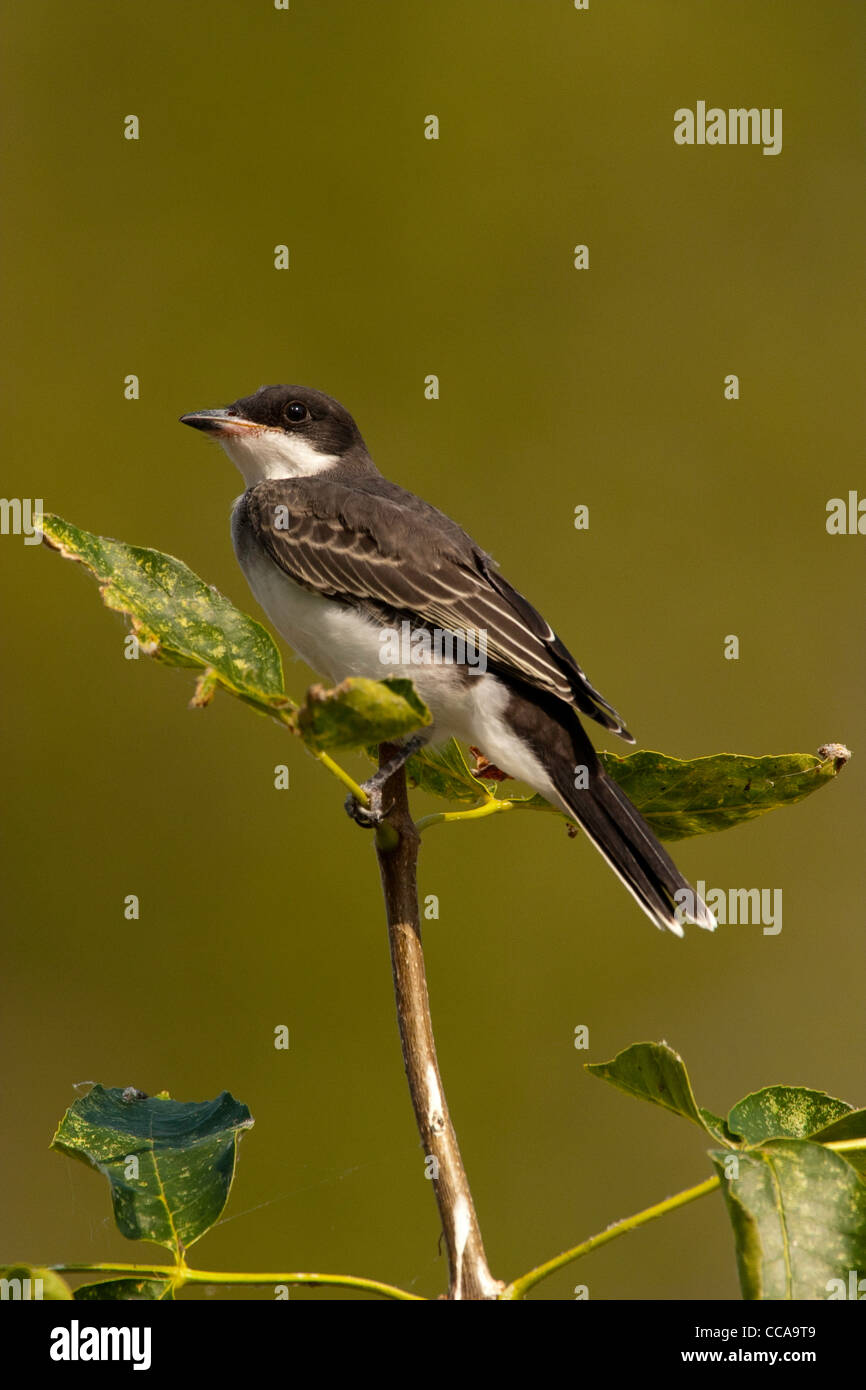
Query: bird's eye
(296, 411)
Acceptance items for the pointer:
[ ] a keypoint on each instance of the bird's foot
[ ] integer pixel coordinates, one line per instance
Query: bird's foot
(371, 815)
(374, 813)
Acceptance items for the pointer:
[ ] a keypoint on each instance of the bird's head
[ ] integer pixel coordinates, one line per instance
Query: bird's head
(282, 432)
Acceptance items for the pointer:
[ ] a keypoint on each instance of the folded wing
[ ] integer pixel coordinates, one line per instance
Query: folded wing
(394, 556)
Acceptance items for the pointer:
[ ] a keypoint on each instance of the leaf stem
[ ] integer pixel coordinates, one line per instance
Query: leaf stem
(289, 717)
(484, 808)
(519, 1287)
(181, 1275)
(342, 776)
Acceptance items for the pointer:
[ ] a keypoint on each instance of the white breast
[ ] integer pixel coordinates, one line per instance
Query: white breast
(337, 642)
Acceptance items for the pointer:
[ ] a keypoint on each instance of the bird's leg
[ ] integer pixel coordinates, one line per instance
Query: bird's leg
(373, 815)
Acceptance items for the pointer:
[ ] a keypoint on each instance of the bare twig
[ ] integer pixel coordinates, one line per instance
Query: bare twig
(397, 845)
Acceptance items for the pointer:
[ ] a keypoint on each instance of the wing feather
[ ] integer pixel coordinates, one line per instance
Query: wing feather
(394, 556)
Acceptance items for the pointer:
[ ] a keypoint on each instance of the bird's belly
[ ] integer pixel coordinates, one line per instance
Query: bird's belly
(337, 641)
(334, 640)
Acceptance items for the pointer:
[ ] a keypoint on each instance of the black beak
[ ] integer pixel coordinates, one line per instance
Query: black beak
(213, 421)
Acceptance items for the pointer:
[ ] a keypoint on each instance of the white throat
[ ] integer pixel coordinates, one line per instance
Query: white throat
(265, 453)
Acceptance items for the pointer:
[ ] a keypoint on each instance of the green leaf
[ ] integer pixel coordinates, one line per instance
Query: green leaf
(32, 1283)
(784, 1112)
(798, 1212)
(359, 712)
(444, 772)
(679, 798)
(177, 617)
(170, 1163)
(654, 1072)
(850, 1126)
(127, 1291)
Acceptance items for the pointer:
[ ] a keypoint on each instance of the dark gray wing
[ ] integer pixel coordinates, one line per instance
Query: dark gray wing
(370, 543)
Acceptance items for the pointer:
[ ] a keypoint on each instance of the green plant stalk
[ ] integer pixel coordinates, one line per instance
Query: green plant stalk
(182, 1274)
(521, 1286)
(288, 718)
(342, 776)
(486, 808)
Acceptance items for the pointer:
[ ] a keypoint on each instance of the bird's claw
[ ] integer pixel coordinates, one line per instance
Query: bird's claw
(366, 816)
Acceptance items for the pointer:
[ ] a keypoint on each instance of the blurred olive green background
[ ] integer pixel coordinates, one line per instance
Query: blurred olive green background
(558, 387)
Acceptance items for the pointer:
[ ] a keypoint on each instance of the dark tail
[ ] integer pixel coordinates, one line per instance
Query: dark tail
(558, 740)
(631, 849)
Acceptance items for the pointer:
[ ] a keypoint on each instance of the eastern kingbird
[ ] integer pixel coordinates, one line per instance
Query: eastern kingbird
(336, 555)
